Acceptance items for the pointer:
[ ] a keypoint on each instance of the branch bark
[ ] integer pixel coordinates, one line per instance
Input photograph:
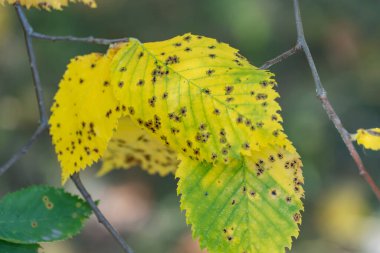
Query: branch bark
(282, 57)
(78, 183)
(23, 150)
(322, 95)
(90, 39)
(33, 64)
(38, 90)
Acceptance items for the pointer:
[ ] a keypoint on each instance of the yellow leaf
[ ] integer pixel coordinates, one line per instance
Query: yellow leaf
(84, 114)
(133, 146)
(199, 96)
(48, 4)
(369, 138)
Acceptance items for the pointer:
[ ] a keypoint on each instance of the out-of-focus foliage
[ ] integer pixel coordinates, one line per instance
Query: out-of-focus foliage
(48, 4)
(369, 138)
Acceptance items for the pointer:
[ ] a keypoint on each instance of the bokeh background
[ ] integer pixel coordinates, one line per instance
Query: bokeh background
(342, 215)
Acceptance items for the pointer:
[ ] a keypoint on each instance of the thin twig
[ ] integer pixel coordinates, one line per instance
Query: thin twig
(24, 149)
(38, 90)
(33, 64)
(77, 181)
(322, 95)
(281, 57)
(89, 39)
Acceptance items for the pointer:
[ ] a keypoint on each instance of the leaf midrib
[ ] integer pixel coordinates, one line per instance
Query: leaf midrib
(190, 81)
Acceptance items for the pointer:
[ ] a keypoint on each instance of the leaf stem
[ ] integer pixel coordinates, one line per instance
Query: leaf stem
(281, 57)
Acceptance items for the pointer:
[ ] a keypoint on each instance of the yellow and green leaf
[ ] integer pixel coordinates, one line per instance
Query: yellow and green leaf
(132, 146)
(84, 114)
(369, 138)
(48, 4)
(201, 97)
(192, 96)
(251, 205)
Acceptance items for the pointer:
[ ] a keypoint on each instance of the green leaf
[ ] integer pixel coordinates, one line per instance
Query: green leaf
(251, 205)
(8, 247)
(41, 214)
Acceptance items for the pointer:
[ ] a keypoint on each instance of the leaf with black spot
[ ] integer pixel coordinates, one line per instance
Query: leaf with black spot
(208, 82)
(250, 205)
(85, 113)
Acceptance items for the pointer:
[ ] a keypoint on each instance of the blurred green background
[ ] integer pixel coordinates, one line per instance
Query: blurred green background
(342, 215)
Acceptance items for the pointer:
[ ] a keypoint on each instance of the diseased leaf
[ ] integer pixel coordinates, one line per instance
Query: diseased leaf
(251, 205)
(84, 114)
(369, 138)
(132, 146)
(240, 177)
(41, 214)
(201, 97)
(48, 4)
(7, 247)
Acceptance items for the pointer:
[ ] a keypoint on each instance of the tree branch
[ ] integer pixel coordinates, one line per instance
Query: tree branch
(24, 149)
(322, 95)
(89, 39)
(281, 57)
(33, 64)
(77, 181)
(38, 90)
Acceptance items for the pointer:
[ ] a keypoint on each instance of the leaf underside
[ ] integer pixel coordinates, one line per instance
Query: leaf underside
(131, 146)
(41, 214)
(48, 4)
